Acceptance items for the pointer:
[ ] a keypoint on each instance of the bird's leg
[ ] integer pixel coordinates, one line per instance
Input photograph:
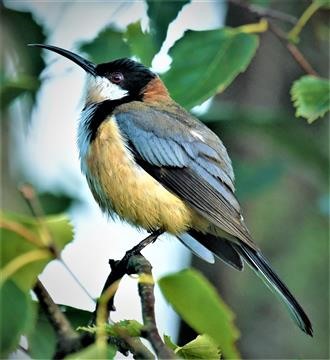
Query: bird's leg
(120, 267)
(145, 242)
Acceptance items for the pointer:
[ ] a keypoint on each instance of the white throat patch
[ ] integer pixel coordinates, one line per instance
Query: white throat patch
(100, 88)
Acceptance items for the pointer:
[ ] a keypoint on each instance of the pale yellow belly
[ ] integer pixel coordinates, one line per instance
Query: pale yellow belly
(119, 185)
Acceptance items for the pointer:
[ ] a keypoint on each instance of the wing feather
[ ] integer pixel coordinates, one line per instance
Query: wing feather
(187, 158)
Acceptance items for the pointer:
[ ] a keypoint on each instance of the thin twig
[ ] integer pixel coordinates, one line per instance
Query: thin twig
(138, 264)
(119, 269)
(262, 12)
(293, 49)
(282, 36)
(307, 14)
(31, 198)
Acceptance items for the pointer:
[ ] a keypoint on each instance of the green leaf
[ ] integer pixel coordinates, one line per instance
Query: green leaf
(203, 347)
(17, 316)
(107, 46)
(141, 43)
(53, 203)
(77, 317)
(168, 342)
(42, 340)
(95, 351)
(161, 14)
(131, 327)
(25, 245)
(311, 97)
(11, 88)
(198, 303)
(18, 29)
(225, 53)
(60, 229)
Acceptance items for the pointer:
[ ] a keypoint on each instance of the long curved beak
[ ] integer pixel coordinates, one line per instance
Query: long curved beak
(88, 66)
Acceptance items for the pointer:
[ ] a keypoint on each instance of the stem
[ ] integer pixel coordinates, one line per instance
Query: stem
(307, 14)
(119, 269)
(30, 196)
(138, 264)
(294, 51)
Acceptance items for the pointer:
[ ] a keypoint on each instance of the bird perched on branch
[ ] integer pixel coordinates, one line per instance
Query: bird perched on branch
(156, 166)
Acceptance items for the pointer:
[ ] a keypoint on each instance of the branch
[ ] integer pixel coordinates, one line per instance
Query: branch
(134, 263)
(293, 49)
(282, 36)
(138, 264)
(68, 340)
(119, 269)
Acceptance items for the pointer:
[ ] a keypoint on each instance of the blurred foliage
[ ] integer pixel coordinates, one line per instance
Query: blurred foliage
(55, 203)
(95, 351)
(281, 168)
(28, 244)
(20, 65)
(17, 316)
(42, 339)
(205, 311)
(311, 97)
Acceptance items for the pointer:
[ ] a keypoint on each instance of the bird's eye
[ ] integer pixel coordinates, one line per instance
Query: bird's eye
(116, 77)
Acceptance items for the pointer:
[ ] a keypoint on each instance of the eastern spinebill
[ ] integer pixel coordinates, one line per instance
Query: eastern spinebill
(156, 166)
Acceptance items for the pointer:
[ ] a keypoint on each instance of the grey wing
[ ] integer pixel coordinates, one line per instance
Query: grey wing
(187, 158)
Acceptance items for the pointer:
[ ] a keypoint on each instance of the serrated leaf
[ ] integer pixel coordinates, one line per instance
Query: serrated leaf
(107, 46)
(198, 303)
(26, 246)
(222, 55)
(141, 43)
(203, 347)
(60, 229)
(311, 97)
(17, 316)
(94, 352)
(161, 14)
(132, 327)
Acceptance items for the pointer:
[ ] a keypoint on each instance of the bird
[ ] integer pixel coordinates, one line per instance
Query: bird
(153, 164)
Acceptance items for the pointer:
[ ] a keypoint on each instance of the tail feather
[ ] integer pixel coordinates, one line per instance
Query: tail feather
(221, 248)
(257, 261)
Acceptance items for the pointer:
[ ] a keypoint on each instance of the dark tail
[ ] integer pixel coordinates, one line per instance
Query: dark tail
(256, 260)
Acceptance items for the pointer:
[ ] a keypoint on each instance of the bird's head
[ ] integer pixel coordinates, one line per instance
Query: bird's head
(122, 79)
